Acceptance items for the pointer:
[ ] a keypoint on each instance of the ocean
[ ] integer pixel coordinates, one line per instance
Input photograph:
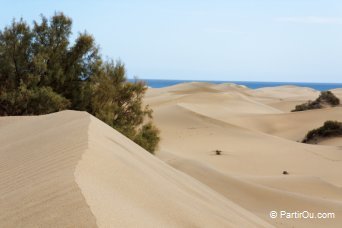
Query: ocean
(156, 83)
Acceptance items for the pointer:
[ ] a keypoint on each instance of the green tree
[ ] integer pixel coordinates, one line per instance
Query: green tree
(42, 72)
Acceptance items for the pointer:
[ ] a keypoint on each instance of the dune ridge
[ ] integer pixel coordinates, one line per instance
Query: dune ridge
(38, 156)
(69, 169)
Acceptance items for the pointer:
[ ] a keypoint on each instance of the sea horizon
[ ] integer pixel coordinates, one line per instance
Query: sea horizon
(320, 86)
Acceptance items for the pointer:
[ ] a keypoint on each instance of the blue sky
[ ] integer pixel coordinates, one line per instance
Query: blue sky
(241, 40)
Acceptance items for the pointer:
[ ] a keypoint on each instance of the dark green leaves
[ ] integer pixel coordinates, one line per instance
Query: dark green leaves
(42, 72)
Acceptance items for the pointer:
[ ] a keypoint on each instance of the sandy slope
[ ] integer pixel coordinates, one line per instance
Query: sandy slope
(71, 170)
(257, 134)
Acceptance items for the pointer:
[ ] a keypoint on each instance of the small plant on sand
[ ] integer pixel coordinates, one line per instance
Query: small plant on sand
(329, 129)
(325, 99)
(218, 152)
(285, 172)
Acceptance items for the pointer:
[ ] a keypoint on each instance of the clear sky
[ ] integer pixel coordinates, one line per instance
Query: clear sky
(241, 40)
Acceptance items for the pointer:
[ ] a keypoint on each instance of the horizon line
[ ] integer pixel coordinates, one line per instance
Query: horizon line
(206, 80)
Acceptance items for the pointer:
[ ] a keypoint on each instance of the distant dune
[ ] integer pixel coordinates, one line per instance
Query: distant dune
(69, 169)
(257, 135)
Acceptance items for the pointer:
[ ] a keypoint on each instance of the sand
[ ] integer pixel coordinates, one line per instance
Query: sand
(259, 139)
(69, 169)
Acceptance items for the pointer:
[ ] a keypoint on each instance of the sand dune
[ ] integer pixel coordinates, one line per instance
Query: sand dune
(262, 197)
(71, 170)
(257, 135)
(293, 126)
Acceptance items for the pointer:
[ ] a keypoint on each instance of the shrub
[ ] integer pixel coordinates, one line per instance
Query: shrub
(329, 129)
(326, 98)
(329, 98)
(307, 106)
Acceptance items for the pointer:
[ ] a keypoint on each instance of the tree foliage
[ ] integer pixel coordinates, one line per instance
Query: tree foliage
(42, 72)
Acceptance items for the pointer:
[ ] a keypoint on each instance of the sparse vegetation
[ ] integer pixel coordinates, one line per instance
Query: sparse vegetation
(325, 99)
(285, 173)
(42, 72)
(329, 129)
